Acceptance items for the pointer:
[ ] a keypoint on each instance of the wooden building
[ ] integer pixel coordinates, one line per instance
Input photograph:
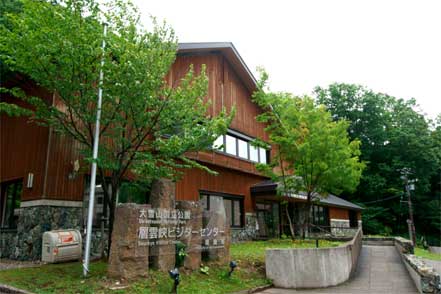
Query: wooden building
(40, 181)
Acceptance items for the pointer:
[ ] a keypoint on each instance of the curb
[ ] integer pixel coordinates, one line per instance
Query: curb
(11, 290)
(255, 290)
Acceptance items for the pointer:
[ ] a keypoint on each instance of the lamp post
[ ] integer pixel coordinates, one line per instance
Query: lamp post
(174, 274)
(233, 265)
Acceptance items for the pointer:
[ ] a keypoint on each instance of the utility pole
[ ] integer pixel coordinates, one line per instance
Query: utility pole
(409, 186)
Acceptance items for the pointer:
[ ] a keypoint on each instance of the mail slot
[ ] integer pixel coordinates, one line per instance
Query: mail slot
(61, 245)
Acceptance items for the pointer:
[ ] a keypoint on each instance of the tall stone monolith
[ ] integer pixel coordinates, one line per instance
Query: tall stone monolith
(162, 197)
(129, 256)
(192, 241)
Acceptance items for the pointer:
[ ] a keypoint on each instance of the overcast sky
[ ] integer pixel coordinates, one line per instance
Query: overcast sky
(389, 46)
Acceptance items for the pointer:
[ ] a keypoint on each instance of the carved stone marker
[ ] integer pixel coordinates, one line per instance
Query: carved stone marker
(216, 232)
(163, 197)
(192, 241)
(128, 257)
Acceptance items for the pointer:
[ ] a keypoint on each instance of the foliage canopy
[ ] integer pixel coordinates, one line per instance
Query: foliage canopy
(314, 154)
(147, 125)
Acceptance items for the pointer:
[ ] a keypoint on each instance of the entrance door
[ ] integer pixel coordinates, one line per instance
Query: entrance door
(268, 219)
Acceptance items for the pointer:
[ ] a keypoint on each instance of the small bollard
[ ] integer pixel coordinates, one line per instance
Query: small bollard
(316, 243)
(233, 265)
(174, 274)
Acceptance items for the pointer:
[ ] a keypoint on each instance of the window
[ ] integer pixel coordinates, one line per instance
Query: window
(262, 155)
(233, 206)
(254, 155)
(243, 148)
(10, 203)
(230, 145)
(319, 215)
(219, 143)
(239, 145)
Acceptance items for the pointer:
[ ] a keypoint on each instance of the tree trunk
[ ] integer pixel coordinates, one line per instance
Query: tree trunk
(291, 226)
(303, 219)
(308, 215)
(112, 204)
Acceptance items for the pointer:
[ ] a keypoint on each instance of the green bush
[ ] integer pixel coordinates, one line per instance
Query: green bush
(180, 254)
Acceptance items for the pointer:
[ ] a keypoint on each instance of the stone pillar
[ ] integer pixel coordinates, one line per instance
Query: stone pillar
(216, 236)
(162, 196)
(192, 242)
(129, 258)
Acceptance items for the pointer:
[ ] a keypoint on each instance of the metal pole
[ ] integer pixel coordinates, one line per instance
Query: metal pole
(93, 171)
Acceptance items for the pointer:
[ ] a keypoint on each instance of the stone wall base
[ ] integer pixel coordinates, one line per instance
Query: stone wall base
(340, 227)
(248, 232)
(25, 242)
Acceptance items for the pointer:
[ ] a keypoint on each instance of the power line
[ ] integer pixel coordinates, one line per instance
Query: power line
(392, 197)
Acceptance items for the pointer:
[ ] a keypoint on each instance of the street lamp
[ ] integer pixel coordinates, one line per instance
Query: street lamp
(233, 265)
(174, 274)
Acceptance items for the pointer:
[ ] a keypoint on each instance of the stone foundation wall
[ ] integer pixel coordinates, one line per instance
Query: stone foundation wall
(7, 239)
(426, 279)
(248, 232)
(340, 227)
(33, 221)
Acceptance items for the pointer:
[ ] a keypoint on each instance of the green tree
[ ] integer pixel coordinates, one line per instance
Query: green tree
(146, 125)
(9, 7)
(310, 146)
(393, 136)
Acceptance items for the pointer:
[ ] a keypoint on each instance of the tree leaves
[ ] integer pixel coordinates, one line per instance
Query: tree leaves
(393, 136)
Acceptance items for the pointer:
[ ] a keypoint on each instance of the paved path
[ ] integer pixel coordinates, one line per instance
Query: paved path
(380, 270)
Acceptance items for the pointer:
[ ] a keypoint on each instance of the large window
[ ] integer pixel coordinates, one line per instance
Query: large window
(319, 215)
(239, 145)
(10, 203)
(233, 206)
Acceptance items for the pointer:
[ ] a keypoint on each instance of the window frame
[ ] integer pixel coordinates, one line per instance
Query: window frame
(233, 198)
(320, 215)
(12, 222)
(239, 136)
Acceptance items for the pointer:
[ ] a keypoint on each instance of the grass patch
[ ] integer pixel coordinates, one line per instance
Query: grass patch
(255, 250)
(67, 277)
(426, 254)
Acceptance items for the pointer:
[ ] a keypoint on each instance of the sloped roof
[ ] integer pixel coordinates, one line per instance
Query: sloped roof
(229, 51)
(330, 200)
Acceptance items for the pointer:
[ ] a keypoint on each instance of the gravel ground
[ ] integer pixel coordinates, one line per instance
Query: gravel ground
(6, 264)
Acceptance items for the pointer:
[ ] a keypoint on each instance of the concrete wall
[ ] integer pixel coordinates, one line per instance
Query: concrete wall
(314, 267)
(435, 249)
(379, 241)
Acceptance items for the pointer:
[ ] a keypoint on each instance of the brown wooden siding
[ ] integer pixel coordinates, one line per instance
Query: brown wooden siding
(228, 181)
(64, 151)
(338, 213)
(225, 89)
(23, 147)
(26, 144)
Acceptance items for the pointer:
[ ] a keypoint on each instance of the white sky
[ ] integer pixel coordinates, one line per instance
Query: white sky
(389, 46)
